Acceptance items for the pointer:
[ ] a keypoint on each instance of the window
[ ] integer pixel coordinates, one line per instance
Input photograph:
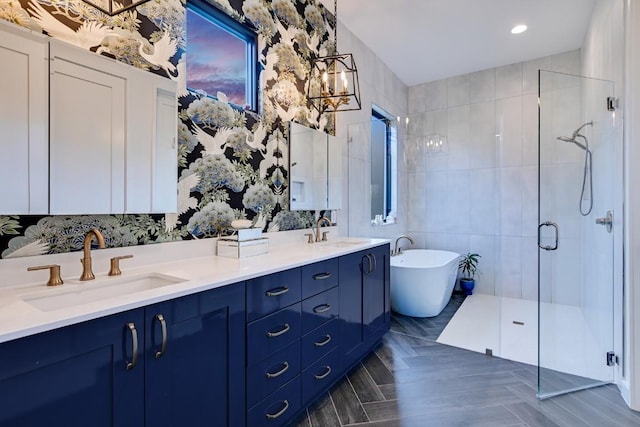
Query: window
(221, 55)
(383, 167)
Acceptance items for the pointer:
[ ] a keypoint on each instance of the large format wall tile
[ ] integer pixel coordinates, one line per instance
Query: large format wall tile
(492, 131)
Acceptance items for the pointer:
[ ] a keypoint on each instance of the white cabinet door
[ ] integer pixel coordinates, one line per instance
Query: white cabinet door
(151, 153)
(165, 165)
(87, 139)
(24, 169)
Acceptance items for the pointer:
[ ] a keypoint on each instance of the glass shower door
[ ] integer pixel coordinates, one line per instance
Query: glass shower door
(575, 210)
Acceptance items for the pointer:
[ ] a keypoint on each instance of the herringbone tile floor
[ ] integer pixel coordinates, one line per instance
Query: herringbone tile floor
(411, 380)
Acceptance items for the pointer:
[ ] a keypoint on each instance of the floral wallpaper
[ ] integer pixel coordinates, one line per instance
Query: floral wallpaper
(231, 163)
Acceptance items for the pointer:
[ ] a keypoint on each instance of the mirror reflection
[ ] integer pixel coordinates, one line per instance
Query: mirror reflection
(384, 170)
(315, 169)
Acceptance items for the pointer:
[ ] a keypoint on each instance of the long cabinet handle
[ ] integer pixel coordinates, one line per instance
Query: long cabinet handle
(325, 374)
(276, 292)
(163, 326)
(324, 342)
(285, 368)
(134, 341)
(368, 269)
(322, 308)
(280, 412)
(321, 276)
(375, 263)
(282, 331)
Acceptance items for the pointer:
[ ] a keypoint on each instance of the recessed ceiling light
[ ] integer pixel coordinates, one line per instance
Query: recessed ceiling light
(519, 29)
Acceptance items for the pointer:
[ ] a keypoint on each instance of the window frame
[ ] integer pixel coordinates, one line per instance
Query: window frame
(243, 32)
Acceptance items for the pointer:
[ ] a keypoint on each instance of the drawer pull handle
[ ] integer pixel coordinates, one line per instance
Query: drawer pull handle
(280, 332)
(285, 368)
(163, 346)
(276, 292)
(280, 412)
(323, 342)
(322, 308)
(321, 276)
(324, 375)
(134, 341)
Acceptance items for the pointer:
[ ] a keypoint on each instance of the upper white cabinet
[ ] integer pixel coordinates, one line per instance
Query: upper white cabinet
(24, 122)
(112, 136)
(87, 140)
(151, 154)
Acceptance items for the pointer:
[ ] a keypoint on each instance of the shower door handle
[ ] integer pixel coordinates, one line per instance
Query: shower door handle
(606, 221)
(548, 247)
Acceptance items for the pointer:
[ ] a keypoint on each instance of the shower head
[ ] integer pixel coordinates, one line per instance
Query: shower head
(567, 139)
(577, 131)
(575, 135)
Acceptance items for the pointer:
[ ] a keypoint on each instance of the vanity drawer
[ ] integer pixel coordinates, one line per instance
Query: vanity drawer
(319, 375)
(270, 374)
(319, 276)
(319, 342)
(278, 408)
(272, 333)
(271, 293)
(319, 309)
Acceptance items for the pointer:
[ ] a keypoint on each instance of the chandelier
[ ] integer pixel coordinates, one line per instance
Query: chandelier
(333, 83)
(112, 7)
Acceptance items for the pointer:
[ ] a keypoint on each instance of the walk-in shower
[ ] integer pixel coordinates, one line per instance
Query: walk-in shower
(575, 257)
(586, 169)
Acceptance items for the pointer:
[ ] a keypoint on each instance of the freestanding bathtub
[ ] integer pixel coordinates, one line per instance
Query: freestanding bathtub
(422, 281)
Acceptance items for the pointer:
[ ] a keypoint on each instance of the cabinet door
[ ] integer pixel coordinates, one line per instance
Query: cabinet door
(87, 137)
(74, 376)
(350, 290)
(24, 120)
(198, 377)
(365, 312)
(375, 292)
(151, 152)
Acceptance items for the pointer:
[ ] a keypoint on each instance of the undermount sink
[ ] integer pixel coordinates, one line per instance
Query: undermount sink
(344, 242)
(85, 292)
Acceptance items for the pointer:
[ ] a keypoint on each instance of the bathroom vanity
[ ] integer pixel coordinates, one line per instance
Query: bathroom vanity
(238, 342)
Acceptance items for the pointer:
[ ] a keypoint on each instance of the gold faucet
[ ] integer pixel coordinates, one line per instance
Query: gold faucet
(87, 274)
(322, 219)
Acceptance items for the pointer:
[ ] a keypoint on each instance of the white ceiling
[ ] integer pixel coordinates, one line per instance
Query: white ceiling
(426, 40)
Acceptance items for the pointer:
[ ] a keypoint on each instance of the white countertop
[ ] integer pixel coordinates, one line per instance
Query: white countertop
(200, 271)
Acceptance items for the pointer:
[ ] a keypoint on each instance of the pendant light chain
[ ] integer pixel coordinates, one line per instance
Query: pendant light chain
(333, 84)
(335, 27)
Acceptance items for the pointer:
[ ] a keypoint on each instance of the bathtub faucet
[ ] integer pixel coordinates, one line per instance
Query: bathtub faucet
(397, 250)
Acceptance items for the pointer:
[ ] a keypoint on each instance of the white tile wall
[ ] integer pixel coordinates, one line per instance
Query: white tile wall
(436, 95)
(379, 86)
(458, 91)
(509, 81)
(482, 196)
(482, 86)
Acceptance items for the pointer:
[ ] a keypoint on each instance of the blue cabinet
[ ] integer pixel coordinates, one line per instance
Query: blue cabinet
(194, 360)
(251, 354)
(365, 313)
(74, 376)
(180, 362)
(376, 308)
